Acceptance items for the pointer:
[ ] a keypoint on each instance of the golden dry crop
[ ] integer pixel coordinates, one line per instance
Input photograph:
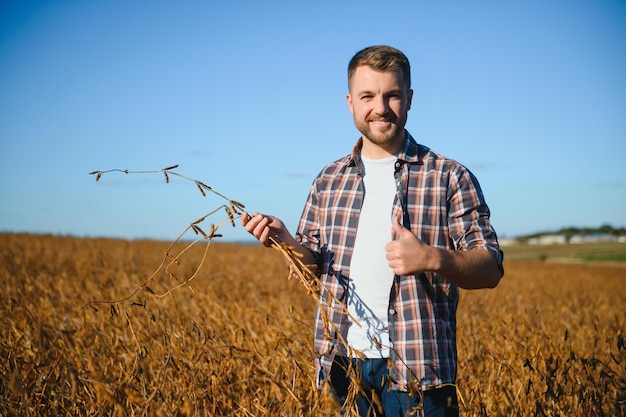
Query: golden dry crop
(238, 339)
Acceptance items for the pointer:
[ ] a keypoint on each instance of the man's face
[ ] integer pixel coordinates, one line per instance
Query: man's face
(379, 102)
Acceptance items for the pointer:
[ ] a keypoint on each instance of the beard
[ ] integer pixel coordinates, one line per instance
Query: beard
(394, 132)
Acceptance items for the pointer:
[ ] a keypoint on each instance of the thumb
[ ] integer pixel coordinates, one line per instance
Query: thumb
(397, 230)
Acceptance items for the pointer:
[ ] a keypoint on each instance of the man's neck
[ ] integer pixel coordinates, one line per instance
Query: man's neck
(375, 151)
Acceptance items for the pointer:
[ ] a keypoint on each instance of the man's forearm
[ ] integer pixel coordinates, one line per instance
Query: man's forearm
(472, 269)
(307, 255)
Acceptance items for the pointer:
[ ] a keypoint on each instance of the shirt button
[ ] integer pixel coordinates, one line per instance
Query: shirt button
(392, 311)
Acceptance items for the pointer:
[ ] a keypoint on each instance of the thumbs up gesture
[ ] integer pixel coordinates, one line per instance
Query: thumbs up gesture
(406, 254)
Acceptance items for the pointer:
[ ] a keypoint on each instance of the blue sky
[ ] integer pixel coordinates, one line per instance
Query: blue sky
(249, 97)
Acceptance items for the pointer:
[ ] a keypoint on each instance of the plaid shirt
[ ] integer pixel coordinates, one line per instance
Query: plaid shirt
(442, 204)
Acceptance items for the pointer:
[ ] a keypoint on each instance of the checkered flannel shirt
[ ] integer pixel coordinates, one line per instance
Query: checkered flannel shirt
(442, 204)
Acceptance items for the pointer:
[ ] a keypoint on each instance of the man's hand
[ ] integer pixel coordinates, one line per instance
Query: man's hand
(265, 228)
(470, 269)
(269, 229)
(406, 254)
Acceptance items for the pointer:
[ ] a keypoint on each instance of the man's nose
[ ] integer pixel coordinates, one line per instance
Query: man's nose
(381, 105)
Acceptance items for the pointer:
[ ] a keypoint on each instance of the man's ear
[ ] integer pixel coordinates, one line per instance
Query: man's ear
(349, 100)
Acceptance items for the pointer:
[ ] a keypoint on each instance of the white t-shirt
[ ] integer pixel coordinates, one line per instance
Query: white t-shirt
(371, 277)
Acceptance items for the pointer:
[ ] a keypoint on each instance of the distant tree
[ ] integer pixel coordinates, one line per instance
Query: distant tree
(571, 231)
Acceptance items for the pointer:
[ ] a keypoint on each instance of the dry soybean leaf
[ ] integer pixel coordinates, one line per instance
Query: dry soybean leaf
(528, 365)
(236, 208)
(203, 185)
(200, 220)
(377, 402)
(230, 216)
(197, 229)
(377, 343)
(238, 204)
(200, 188)
(114, 310)
(621, 344)
(212, 234)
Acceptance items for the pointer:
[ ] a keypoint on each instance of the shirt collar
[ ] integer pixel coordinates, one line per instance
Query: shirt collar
(412, 152)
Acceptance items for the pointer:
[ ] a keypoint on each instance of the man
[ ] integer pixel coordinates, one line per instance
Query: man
(395, 230)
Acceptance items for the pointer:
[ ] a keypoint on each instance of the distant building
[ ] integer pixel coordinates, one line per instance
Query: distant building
(576, 239)
(595, 238)
(548, 240)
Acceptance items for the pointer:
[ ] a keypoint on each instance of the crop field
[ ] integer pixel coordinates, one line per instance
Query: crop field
(82, 335)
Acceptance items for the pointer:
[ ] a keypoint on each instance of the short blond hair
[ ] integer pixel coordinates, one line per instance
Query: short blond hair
(381, 58)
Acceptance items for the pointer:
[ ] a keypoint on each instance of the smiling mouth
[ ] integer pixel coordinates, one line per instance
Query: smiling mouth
(381, 123)
(380, 120)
